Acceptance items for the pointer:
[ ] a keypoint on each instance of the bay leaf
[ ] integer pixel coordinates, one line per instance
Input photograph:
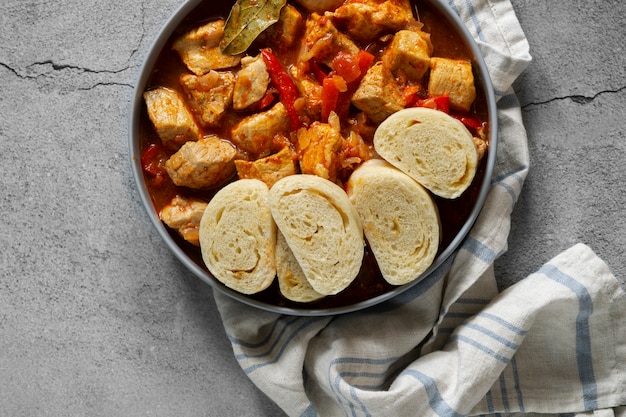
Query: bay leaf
(246, 21)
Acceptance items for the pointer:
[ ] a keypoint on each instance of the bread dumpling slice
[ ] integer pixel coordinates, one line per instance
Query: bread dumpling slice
(238, 236)
(399, 217)
(430, 146)
(292, 282)
(322, 229)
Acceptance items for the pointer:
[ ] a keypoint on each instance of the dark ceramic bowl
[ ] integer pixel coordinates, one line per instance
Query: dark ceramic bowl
(470, 203)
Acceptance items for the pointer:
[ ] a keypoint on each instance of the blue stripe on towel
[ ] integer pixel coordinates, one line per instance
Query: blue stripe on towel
(437, 403)
(335, 385)
(355, 397)
(489, 401)
(504, 323)
(518, 390)
(492, 335)
(509, 190)
(309, 412)
(473, 17)
(283, 346)
(472, 12)
(505, 394)
(513, 174)
(480, 347)
(479, 250)
(583, 337)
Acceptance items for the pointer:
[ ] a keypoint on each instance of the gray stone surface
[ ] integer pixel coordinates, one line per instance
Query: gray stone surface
(97, 317)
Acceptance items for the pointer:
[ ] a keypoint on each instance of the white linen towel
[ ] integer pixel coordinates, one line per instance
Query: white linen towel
(553, 344)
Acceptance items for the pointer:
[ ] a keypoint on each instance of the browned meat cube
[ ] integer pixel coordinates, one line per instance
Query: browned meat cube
(269, 169)
(452, 78)
(252, 82)
(366, 20)
(183, 215)
(322, 41)
(409, 53)
(173, 122)
(284, 33)
(210, 95)
(378, 95)
(200, 49)
(202, 164)
(319, 147)
(255, 133)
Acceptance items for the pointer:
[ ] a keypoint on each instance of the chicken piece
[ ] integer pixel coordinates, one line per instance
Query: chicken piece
(481, 147)
(202, 164)
(409, 53)
(252, 82)
(319, 147)
(366, 20)
(310, 100)
(255, 133)
(200, 49)
(320, 6)
(322, 41)
(209, 95)
(378, 95)
(183, 215)
(283, 34)
(269, 169)
(452, 78)
(173, 122)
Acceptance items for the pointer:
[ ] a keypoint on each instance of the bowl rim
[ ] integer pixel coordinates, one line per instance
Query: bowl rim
(480, 69)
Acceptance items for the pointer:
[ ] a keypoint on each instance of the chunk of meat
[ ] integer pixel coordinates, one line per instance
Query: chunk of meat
(310, 101)
(252, 82)
(481, 147)
(366, 20)
(322, 41)
(409, 53)
(203, 164)
(320, 6)
(172, 120)
(255, 133)
(283, 34)
(378, 95)
(452, 78)
(269, 169)
(319, 147)
(183, 214)
(200, 49)
(209, 95)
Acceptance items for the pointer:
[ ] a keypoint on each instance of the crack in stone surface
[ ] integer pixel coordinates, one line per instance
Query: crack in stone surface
(60, 67)
(50, 69)
(576, 98)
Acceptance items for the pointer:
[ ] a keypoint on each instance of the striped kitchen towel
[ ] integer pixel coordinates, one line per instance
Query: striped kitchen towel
(552, 344)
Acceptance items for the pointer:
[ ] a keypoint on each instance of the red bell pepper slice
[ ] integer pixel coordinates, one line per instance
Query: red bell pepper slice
(287, 89)
(470, 121)
(365, 61)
